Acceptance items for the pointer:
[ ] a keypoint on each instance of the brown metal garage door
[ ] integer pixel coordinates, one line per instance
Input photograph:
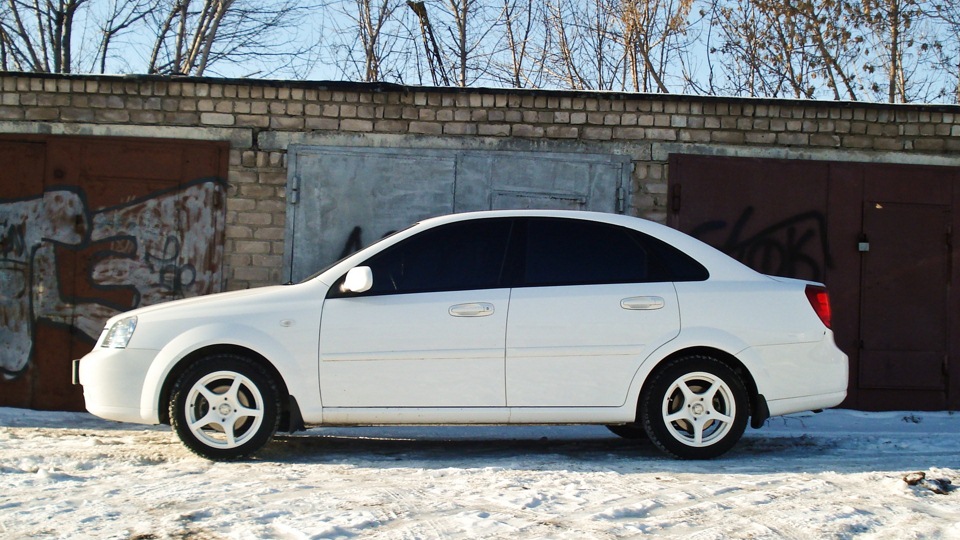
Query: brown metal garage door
(90, 227)
(879, 236)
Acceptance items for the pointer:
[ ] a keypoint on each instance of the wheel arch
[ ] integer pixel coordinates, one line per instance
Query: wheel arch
(290, 419)
(758, 407)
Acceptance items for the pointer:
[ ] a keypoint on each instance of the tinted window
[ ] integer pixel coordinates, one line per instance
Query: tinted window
(574, 252)
(458, 256)
(679, 266)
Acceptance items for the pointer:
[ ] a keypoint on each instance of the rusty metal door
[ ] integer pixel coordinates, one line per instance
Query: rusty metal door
(20, 175)
(97, 226)
(879, 236)
(906, 285)
(772, 220)
(904, 334)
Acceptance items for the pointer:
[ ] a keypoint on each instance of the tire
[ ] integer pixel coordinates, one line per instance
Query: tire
(247, 412)
(695, 407)
(631, 431)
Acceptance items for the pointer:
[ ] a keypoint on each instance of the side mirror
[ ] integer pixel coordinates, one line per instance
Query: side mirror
(358, 280)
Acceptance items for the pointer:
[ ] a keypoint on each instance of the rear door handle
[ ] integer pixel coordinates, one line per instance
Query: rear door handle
(472, 309)
(642, 302)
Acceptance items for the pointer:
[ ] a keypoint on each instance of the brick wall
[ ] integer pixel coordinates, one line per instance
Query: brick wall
(260, 118)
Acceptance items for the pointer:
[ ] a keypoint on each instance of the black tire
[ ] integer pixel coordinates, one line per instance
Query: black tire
(695, 407)
(247, 414)
(632, 431)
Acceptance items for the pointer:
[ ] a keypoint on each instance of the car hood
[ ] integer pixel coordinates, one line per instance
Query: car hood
(211, 301)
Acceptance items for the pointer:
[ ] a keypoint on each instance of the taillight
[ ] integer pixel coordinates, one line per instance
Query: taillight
(820, 300)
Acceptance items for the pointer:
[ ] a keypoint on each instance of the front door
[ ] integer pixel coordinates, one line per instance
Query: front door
(430, 333)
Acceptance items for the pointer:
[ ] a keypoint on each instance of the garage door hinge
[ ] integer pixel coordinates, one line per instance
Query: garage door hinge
(949, 254)
(295, 190)
(621, 200)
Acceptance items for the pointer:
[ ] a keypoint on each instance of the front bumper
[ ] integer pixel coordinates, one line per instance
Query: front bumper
(113, 381)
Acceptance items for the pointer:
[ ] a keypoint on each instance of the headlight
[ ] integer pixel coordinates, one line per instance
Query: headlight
(120, 333)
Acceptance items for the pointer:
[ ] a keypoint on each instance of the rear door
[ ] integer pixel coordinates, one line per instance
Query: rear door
(594, 303)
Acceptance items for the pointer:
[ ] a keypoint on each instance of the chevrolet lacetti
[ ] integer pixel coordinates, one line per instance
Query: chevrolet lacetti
(502, 317)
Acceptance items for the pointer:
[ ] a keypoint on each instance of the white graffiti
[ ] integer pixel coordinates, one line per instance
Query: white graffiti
(158, 248)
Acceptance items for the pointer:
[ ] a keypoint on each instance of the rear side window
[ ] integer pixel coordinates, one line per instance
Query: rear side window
(576, 252)
(457, 256)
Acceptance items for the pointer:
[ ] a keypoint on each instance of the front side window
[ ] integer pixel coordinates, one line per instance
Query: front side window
(453, 257)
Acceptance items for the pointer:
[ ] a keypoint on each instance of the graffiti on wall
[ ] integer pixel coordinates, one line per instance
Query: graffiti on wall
(144, 251)
(354, 241)
(793, 247)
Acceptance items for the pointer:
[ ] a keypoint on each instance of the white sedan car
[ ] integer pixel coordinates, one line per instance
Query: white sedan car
(503, 317)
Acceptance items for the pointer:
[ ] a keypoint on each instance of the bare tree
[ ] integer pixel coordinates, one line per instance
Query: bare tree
(789, 47)
(947, 46)
(743, 50)
(585, 54)
(193, 35)
(823, 25)
(649, 28)
(524, 64)
(38, 36)
(367, 33)
(897, 39)
(562, 61)
(467, 37)
(119, 17)
(430, 46)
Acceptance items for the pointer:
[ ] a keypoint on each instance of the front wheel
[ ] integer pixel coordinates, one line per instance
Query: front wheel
(225, 407)
(695, 407)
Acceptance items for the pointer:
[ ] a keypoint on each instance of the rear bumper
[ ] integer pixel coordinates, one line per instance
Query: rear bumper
(806, 403)
(799, 377)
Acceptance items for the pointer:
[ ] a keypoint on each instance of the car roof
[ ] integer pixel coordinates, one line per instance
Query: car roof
(719, 264)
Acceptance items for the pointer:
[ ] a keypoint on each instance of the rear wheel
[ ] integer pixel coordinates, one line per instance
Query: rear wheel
(225, 407)
(695, 407)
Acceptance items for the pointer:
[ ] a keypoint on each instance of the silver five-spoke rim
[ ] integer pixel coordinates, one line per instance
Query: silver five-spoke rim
(224, 409)
(699, 409)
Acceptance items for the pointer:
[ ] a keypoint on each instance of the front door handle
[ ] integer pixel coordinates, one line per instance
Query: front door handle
(642, 302)
(472, 309)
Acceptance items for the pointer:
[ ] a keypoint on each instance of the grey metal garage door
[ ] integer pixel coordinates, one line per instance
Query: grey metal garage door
(340, 199)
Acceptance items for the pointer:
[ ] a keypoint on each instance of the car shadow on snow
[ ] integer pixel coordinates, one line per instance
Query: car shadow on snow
(586, 451)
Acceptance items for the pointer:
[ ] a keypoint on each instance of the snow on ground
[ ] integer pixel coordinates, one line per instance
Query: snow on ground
(838, 474)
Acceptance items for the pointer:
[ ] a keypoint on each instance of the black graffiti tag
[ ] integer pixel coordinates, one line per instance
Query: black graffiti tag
(12, 239)
(173, 276)
(354, 241)
(786, 248)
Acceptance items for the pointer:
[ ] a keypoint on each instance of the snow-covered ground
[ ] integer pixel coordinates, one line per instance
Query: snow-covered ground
(839, 474)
